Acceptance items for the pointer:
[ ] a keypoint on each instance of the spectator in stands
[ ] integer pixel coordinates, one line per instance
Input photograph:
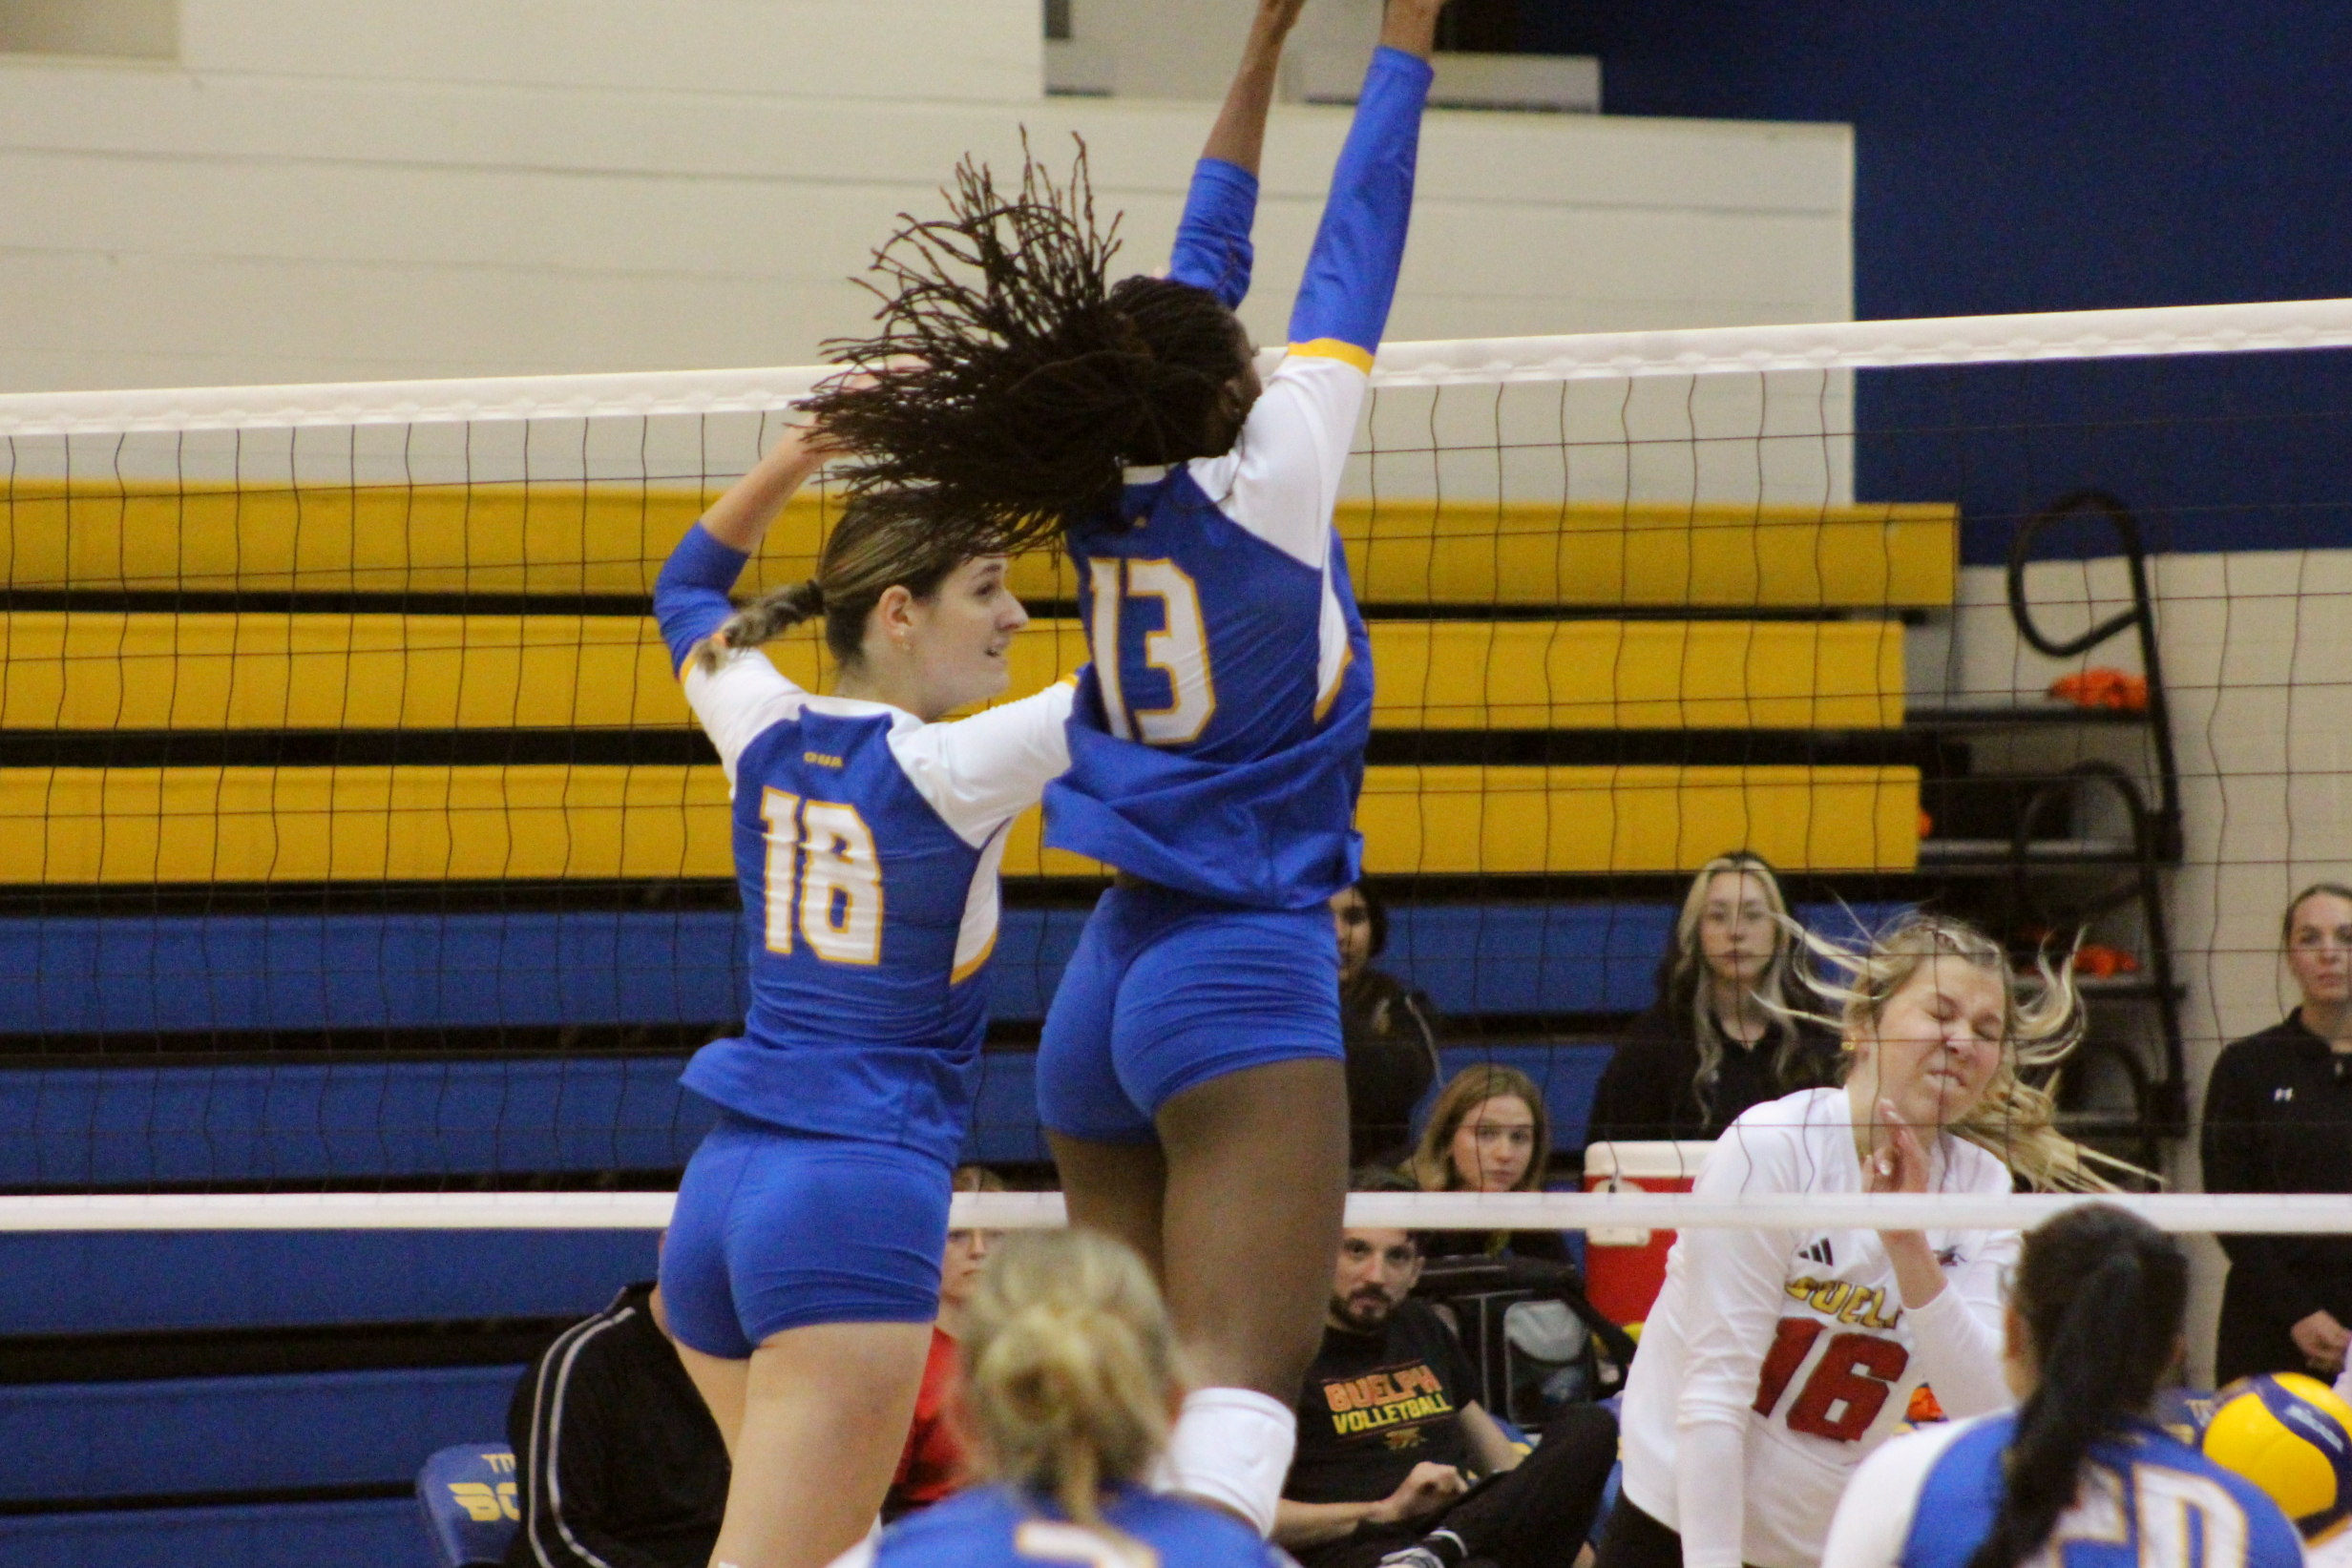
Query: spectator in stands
(1489, 1132)
(1719, 1038)
(1391, 1031)
(620, 1461)
(934, 1462)
(2276, 1112)
(1389, 1434)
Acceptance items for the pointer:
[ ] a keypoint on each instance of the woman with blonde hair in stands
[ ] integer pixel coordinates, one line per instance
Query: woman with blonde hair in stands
(1071, 1384)
(1778, 1356)
(1727, 1030)
(1489, 1132)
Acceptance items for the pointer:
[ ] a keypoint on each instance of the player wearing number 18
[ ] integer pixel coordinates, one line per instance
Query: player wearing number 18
(802, 1268)
(1775, 1358)
(1191, 1075)
(2079, 1477)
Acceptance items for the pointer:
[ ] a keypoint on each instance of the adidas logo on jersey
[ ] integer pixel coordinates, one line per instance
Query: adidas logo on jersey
(1820, 1252)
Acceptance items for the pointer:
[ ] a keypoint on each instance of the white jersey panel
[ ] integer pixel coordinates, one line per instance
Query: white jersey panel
(1874, 1518)
(1796, 1343)
(1281, 480)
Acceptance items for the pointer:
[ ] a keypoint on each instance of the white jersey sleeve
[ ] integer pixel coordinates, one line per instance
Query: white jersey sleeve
(744, 696)
(1957, 1337)
(1736, 1286)
(1281, 480)
(1874, 1518)
(980, 772)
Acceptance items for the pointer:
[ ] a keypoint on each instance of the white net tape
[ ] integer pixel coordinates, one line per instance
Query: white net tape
(1600, 356)
(2181, 1212)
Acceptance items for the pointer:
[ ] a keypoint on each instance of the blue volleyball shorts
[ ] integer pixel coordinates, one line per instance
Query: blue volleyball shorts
(777, 1229)
(1167, 990)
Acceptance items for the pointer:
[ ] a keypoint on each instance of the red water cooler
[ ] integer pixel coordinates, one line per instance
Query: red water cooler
(1625, 1269)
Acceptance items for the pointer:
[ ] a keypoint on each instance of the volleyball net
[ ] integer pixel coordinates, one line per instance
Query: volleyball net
(360, 864)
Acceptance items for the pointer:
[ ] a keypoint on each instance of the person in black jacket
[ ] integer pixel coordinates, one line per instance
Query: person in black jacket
(1719, 1038)
(621, 1464)
(2279, 1118)
(1391, 1031)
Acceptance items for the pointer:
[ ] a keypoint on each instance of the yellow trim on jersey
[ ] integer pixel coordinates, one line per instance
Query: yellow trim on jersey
(1323, 703)
(971, 966)
(1332, 348)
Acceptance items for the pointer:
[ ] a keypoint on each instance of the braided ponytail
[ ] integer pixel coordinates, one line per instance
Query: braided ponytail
(2101, 1294)
(874, 548)
(762, 620)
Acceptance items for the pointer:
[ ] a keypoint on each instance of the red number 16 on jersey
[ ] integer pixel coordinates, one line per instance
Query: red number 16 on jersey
(1849, 1384)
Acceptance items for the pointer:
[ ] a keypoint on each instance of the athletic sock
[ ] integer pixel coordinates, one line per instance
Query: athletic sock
(1232, 1447)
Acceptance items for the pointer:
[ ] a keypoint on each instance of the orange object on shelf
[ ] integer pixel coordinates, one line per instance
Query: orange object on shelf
(2103, 962)
(1928, 826)
(2103, 687)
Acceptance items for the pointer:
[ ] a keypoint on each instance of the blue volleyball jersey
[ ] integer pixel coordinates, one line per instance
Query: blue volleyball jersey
(2146, 1500)
(1217, 740)
(867, 845)
(997, 1527)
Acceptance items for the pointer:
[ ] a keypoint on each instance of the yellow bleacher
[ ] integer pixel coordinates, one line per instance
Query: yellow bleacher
(139, 669)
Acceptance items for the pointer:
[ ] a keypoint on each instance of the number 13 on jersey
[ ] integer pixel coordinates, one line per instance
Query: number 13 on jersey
(1179, 650)
(823, 876)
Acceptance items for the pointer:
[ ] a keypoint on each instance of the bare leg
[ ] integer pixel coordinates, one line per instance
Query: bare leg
(1258, 1183)
(823, 1416)
(1118, 1189)
(721, 1383)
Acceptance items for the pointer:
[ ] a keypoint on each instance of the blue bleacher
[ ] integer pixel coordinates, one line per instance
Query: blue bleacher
(128, 1281)
(67, 1441)
(234, 974)
(378, 1533)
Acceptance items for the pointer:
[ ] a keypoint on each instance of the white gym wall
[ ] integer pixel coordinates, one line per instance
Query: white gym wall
(293, 190)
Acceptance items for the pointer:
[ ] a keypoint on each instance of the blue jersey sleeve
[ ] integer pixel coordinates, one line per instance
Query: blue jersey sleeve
(1351, 275)
(1213, 241)
(690, 598)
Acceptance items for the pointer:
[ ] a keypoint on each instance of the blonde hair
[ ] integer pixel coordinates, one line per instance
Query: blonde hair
(1778, 990)
(2013, 1121)
(871, 550)
(1431, 1164)
(1069, 1368)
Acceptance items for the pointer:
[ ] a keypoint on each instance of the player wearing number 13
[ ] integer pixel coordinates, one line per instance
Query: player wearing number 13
(802, 1267)
(1777, 1359)
(1191, 1075)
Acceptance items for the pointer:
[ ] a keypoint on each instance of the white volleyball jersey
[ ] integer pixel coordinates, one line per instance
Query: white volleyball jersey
(1798, 1340)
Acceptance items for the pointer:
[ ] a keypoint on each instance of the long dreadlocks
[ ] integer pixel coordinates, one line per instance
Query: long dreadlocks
(1010, 381)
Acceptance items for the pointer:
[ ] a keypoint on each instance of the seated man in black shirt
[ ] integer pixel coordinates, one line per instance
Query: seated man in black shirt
(621, 1464)
(1390, 1438)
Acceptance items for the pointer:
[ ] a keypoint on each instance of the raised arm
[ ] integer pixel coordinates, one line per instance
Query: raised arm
(690, 594)
(1212, 243)
(1351, 280)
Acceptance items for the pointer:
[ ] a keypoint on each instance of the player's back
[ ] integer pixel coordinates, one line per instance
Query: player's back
(997, 1527)
(2146, 1500)
(866, 844)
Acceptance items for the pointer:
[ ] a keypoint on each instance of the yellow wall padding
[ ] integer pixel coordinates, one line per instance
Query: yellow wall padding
(189, 825)
(103, 670)
(570, 538)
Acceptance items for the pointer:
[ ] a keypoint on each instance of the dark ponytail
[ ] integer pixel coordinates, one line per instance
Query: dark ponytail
(2101, 1294)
